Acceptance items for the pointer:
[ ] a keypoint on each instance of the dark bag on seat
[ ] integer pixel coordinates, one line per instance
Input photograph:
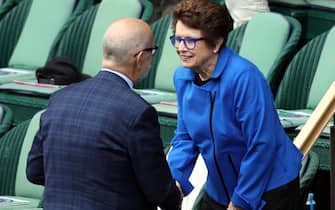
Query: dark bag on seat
(59, 71)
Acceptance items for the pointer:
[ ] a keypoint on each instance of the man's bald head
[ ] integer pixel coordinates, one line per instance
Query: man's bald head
(124, 38)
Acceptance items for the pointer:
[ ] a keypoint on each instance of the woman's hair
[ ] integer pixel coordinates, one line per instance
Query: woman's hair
(211, 19)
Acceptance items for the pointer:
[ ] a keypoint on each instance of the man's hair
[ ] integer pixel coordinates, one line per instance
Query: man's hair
(210, 18)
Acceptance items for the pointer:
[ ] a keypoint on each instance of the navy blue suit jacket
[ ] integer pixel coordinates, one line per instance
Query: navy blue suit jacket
(99, 147)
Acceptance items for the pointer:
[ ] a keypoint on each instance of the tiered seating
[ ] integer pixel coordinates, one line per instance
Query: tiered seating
(80, 41)
(27, 34)
(32, 30)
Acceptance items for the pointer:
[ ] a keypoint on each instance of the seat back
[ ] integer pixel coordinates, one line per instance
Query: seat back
(166, 65)
(10, 146)
(44, 21)
(260, 47)
(84, 36)
(23, 187)
(269, 40)
(309, 74)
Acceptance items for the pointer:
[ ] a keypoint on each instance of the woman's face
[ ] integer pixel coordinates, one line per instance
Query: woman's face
(197, 53)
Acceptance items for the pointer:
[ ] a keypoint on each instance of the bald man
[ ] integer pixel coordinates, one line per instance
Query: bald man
(98, 146)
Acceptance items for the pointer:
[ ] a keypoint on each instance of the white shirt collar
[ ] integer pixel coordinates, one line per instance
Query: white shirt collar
(124, 77)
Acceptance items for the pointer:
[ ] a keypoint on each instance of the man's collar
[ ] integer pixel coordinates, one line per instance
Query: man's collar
(123, 76)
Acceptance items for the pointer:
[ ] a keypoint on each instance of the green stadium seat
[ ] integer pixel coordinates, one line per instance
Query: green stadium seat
(270, 47)
(80, 41)
(309, 74)
(14, 148)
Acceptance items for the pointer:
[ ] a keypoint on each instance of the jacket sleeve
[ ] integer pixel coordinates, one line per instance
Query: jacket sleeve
(34, 170)
(182, 156)
(149, 162)
(259, 123)
(183, 153)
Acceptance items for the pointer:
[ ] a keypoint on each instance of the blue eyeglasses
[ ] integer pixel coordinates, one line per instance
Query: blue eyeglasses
(189, 42)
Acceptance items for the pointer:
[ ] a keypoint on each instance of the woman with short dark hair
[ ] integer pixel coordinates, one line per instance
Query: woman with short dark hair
(226, 113)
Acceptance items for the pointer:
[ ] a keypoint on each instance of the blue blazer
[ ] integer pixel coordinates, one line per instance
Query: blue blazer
(99, 147)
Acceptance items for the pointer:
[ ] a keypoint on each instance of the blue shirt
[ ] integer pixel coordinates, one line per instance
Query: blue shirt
(232, 121)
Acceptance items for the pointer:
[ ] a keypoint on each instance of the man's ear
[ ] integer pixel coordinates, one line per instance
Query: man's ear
(139, 58)
(137, 63)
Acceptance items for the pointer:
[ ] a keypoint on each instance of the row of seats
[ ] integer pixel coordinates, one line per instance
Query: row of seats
(77, 36)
